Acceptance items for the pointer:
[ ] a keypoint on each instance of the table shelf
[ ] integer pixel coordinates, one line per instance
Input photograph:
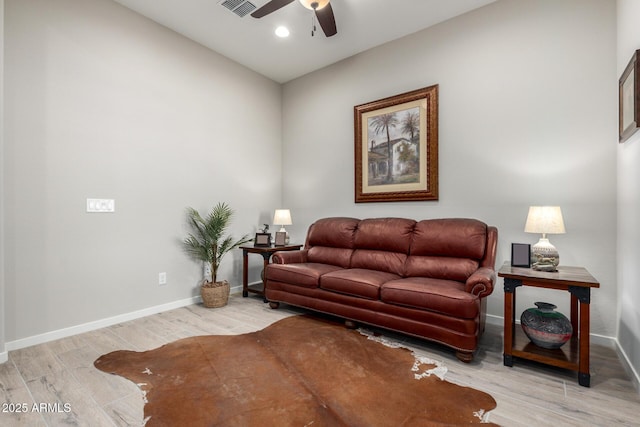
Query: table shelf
(566, 356)
(574, 355)
(256, 288)
(266, 252)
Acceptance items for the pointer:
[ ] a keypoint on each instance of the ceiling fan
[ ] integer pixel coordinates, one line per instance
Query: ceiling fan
(322, 9)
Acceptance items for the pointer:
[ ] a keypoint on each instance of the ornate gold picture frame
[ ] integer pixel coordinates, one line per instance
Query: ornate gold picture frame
(396, 148)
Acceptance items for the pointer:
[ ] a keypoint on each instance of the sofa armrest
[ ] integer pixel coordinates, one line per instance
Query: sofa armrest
(290, 257)
(481, 282)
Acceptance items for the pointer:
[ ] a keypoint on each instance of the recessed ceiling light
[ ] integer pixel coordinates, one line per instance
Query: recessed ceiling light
(282, 31)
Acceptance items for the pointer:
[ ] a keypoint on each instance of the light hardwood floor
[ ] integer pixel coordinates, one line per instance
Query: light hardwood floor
(61, 373)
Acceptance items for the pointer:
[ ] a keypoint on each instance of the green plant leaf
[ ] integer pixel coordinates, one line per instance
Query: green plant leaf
(208, 240)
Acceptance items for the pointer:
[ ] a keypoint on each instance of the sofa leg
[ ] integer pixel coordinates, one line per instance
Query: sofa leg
(464, 356)
(350, 324)
(274, 305)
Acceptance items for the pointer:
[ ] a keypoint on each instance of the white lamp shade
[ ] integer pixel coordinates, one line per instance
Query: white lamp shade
(544, 220)
(282, 217)
(320, 3)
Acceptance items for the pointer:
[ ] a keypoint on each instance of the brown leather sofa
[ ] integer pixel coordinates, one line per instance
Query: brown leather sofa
(424, 278)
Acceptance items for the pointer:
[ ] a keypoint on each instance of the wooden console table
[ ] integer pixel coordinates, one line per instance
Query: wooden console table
(574, 355)
(266, 252)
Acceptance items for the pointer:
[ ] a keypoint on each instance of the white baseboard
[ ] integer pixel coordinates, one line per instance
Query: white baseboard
(4, 356)
(495, 320)
(92, 326)
(103, 323)
(628, 366)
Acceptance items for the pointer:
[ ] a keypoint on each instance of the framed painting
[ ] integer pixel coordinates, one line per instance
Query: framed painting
(396, 148)
(629, 99)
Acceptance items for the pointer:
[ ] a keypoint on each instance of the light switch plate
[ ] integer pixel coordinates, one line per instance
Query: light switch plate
(101, 205)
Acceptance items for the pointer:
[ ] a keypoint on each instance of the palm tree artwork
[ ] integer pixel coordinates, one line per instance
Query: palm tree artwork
(383, 123)
(411, 126)
(399, 127)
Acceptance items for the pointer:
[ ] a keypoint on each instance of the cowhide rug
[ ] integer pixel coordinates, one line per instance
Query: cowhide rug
(300, 371)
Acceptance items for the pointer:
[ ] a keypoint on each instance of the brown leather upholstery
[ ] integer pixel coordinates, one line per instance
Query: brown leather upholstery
(332, 242)
(424, 278)
(357, 281)
(302, 274)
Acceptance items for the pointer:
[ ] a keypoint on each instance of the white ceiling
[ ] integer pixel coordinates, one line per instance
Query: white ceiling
(362, 24)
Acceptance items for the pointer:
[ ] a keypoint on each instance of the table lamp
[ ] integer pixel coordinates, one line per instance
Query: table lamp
(282, 217)
(544, 220)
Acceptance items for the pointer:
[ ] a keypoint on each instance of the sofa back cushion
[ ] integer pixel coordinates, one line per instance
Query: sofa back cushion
(331, 241)
(437, 267)
(385, 234)
(446, 248)
(383, 244)
(449, 249)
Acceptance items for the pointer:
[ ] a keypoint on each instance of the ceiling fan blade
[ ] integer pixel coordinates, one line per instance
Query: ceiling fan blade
(327, 20)
(270, 7)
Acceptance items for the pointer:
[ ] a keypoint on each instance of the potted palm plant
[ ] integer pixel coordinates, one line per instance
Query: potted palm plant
(208, 242)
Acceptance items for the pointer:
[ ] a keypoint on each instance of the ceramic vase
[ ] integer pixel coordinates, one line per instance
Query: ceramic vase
(546, 327)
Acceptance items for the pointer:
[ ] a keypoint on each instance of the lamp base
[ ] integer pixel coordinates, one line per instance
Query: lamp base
(544, 255)
(287, 239)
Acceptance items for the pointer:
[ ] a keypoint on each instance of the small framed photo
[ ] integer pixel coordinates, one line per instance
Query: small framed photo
(521, 255)
(281, 238)
(629, 99)
(262, 239)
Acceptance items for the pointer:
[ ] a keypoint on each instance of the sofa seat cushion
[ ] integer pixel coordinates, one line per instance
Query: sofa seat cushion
(359, 282)
(442, 296)
(306, 274)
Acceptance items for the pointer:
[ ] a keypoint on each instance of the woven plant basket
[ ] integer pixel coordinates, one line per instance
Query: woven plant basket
(215, 294)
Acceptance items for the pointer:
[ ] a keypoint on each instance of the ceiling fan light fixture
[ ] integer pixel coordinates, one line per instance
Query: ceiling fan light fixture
(314, 4)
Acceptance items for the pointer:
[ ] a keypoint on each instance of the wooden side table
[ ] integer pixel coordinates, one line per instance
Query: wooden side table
(266, 252)
(574, 355)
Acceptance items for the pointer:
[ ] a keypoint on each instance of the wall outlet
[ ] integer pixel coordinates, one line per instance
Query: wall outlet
(101, 205)
(162, 279)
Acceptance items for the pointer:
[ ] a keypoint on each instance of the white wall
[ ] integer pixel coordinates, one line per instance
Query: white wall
(3, 352)
(528, 115)
(102, 103)
(629, 201)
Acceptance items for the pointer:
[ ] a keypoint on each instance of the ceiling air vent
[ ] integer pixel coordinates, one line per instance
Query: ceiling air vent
(239, 7)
